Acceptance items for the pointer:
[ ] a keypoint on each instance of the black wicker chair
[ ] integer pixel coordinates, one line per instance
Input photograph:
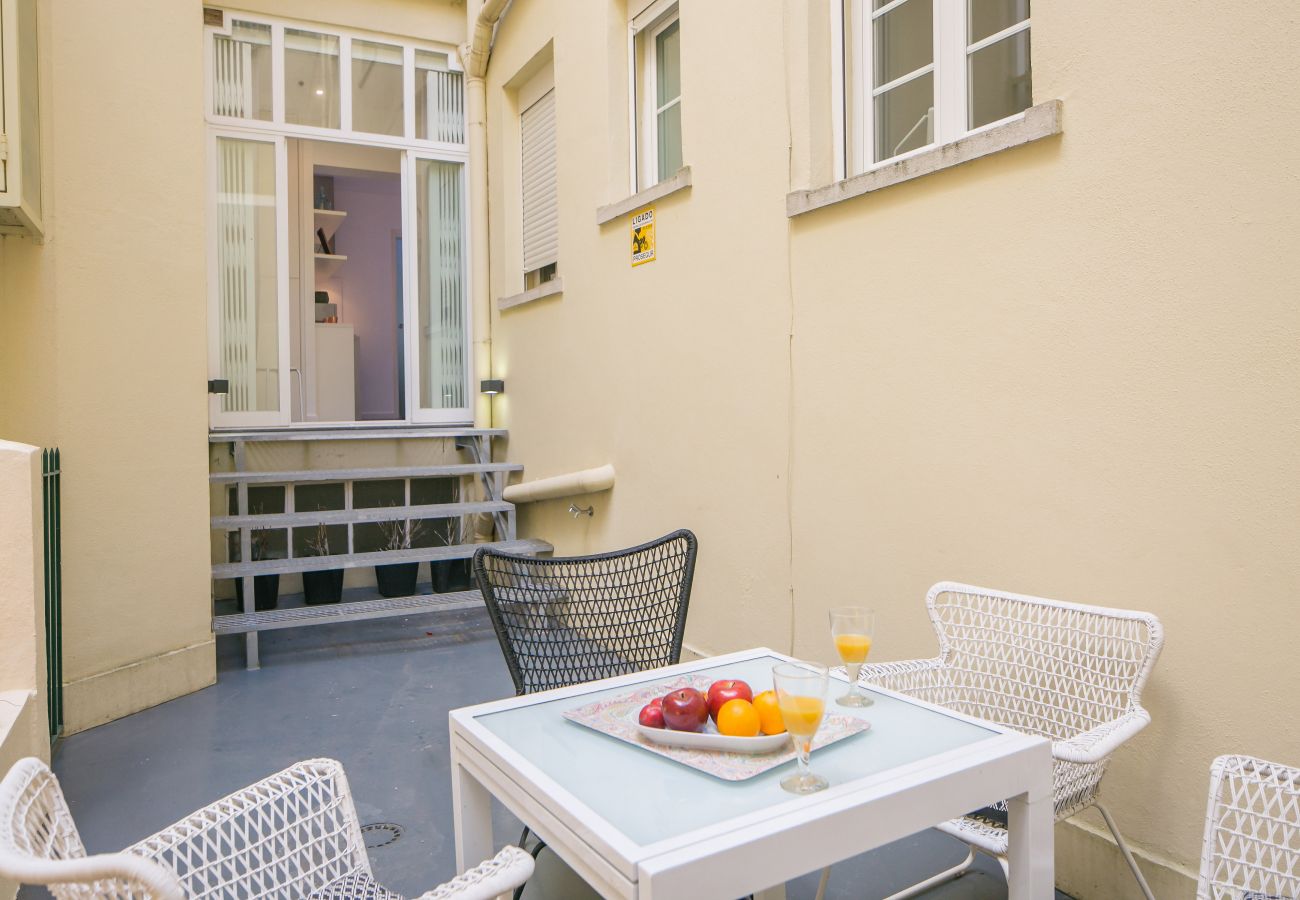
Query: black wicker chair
(563, 621)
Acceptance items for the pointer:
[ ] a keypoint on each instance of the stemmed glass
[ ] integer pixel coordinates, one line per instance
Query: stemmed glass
(852, 628)
(801, 695)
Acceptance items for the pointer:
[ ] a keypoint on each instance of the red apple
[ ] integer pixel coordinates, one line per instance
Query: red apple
(685, 710)
(722, 691)
(652, 715)
(657, 703)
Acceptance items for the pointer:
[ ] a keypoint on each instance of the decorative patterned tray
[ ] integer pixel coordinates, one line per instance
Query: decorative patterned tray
(617, 717)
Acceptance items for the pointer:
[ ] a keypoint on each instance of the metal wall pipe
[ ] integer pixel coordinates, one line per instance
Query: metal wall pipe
(482, 20)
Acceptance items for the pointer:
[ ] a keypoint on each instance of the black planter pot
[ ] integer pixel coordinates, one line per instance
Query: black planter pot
(450, 575)
(397, 580)
(323, 587)
(266, 592)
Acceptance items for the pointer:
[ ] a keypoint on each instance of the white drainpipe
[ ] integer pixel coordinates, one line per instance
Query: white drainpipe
(483, 17)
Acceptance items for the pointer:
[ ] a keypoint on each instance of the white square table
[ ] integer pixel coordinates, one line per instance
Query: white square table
(634, 824)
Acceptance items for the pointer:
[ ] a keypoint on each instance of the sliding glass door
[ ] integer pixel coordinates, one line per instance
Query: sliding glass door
(248, 333)
(438, 344)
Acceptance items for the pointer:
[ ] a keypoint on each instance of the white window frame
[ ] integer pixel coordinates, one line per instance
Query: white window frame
(276, 130)
(855, 132)
(643, 28)
(277, 121)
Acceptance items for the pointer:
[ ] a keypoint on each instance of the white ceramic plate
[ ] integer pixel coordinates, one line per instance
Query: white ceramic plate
(711, 740)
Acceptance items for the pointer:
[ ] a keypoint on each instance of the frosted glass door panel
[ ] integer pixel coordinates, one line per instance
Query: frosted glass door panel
(248, 344)
(441, 297)
(311, 78)
(241, 72)
(439, 99)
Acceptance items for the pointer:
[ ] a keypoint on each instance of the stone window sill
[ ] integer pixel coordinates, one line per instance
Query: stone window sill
(678, 182)
(1038, 122)
(549, 289)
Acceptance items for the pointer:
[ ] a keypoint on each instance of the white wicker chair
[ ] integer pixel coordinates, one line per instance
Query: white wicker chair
(291, 836)
(1252, 832)
(1070, 673)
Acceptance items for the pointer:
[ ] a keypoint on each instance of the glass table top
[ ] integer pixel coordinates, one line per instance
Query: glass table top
(651, 798)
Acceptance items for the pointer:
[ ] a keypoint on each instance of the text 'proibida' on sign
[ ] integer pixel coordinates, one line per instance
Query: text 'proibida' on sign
(643, 237)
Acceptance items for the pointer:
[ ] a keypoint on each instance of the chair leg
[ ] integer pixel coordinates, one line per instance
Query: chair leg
(821, 884)
(1128, 855)
(523, 845)
(945, 875)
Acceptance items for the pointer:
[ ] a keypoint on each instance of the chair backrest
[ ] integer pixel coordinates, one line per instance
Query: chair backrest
(563, 621)
(1040, 666)
(1252, 831)
(39, 844)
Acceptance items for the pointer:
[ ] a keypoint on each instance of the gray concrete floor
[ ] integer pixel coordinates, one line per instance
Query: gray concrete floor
(375, 696)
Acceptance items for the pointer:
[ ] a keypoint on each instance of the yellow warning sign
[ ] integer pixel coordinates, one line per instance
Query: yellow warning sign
(643, 237)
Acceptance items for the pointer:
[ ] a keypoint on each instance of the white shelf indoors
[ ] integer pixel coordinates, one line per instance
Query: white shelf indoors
(328, 220)
(326, 263)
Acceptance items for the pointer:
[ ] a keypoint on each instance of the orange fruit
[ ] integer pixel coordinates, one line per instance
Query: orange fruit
(738, 718)
(769, 713)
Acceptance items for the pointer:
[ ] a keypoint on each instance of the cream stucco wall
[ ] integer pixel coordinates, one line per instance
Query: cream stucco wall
(676, 372)
(115, 297)
(1067, 369)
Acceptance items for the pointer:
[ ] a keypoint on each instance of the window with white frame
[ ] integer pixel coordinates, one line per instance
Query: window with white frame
(313, 81)
(655, 47)
(540, 206)
(922, 73)
(290, 104)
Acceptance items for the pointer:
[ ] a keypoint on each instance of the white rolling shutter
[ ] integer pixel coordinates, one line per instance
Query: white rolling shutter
(541, 213)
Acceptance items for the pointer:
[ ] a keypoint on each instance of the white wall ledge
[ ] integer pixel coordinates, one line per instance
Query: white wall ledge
(1038, 122)
(547, 289)
(678, 182)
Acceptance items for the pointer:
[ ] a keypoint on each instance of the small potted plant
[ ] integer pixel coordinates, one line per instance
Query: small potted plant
(266, 588)
(450, 574)
(324, 585)
(398, 579)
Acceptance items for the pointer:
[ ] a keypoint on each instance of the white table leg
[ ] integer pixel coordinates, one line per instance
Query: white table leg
(776, 892)
(1030, 854)
(471, 807)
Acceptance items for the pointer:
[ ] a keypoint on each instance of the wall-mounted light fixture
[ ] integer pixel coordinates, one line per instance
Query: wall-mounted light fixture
(492, 386)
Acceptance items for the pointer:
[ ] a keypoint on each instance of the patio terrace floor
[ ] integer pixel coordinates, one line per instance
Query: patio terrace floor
(374, 695)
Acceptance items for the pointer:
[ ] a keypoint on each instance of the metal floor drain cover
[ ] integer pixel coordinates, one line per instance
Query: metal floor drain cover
(381, 834)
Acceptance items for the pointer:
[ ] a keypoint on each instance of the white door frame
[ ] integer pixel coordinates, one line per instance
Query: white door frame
(281, 415)
(411, 289)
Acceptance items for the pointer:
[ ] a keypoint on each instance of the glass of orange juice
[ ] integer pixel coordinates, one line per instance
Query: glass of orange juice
(801, 694)
(852, 628)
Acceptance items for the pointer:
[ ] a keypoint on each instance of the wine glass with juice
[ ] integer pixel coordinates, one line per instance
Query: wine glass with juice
(801, 695)
(852, 628)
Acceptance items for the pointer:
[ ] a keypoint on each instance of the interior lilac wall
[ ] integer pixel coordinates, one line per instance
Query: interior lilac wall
(368, 284)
